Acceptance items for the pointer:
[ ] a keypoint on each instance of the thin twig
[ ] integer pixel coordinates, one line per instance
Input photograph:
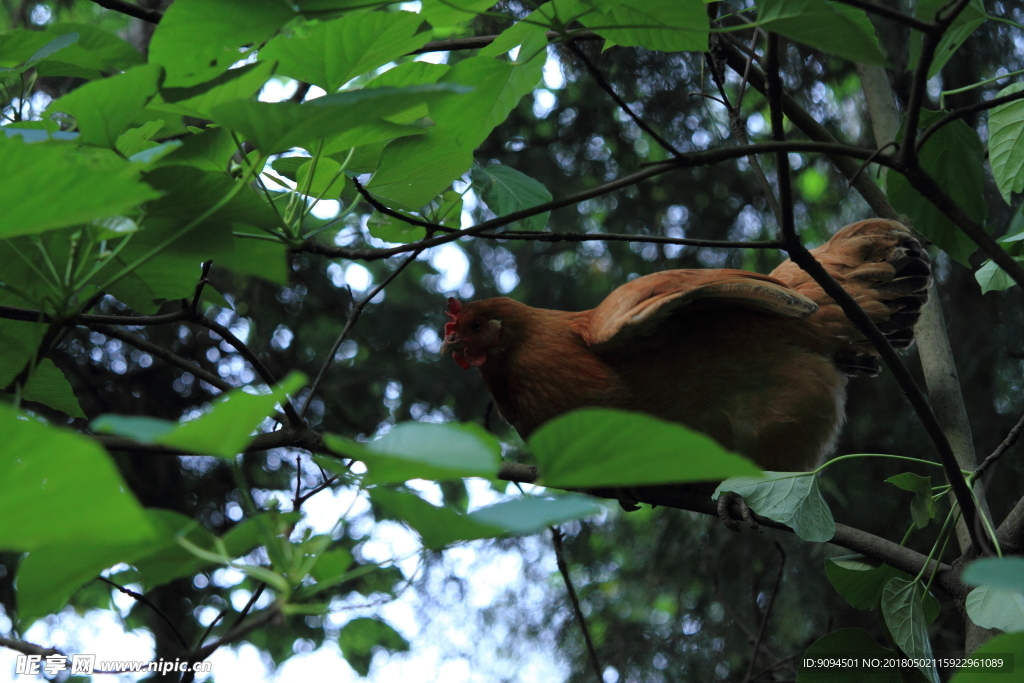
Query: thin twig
(767, 611)
(556, 539)
(963, 112)
(477, 42)
(353, 317)
(1006, 445)
(258, 365)
(138, 597)
(203, 281)
(599, 78)
(162, 353)
(411, 220)
(26, 648)
(641, 239)
(236, 632)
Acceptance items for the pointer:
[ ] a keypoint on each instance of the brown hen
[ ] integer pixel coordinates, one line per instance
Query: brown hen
(757, 362)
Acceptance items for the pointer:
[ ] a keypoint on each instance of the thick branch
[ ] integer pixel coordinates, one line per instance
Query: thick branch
(28, 648)
(883, 11)
(686, 498)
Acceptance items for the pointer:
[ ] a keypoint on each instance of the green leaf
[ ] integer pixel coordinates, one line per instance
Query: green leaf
(278, 126)
(848, 643)
(827, 26)
(47, 385)
(954, 158)
(104, 109)
(361, 638)
(1007, 648)
(600, 447)
(666, 25)
(969, 19)
(391, 229)
(992, 278)
(497, 86)
(904, 614)
(414, 170)
(530, 514)
(46, 51)
(507, 190)
(95, 52)
(1006, 143)
(437, 526)
(335, 52)
(922, 507)
(997, 572)
(49, 576)
(788, 498)
(197, 39)
(331, 567)
(410, 73)
(200, 100)
(419, 450)
(860, 579)
(445, 13)
(999, 608)
(171, 561)
(49, 474)
(51, 185)
(268, 260)
(209, 150)
(328, 181)
(134, 140)
(224, 431)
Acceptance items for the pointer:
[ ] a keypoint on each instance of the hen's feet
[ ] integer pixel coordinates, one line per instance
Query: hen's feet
(728, 498)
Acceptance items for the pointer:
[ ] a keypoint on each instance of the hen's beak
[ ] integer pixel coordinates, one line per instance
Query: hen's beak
(451, 344)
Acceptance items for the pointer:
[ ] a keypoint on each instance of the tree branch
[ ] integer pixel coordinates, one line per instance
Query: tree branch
(138, 597)
(28, 648)
(563, 568)
(883, 11)
(152, 16)
(963, 112)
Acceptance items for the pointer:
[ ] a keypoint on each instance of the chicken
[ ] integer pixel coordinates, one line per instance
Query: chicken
(757, 362)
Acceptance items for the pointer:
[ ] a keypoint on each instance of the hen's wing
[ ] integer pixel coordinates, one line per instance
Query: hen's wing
(637, 307)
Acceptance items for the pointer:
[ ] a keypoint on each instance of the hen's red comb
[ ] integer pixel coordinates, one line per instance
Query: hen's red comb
(454, 305)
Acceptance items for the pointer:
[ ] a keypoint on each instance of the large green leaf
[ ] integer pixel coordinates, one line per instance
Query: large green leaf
(994, 651)
(51, 185)
(904, 614)
(999, 608)
(441, 526)
(49, 474)
(48, 576)
(445, 13)
(852, 645)
(224, 431)
(998, 572)
(599, 447)
(497, 86)
(198, 39)
(209, 150)
(419, 450)
(859, 579)
(335, 52)
(954, 158)
(968, 20)
(666, 25)
(199, 100)
(1006, 143)
(93, 53)
(47, 385)
(437, 526)
(827, 26)
(414, 170)
(788, 498)
(507, 190)
(275, 127)
(105, 108)
(360, 638)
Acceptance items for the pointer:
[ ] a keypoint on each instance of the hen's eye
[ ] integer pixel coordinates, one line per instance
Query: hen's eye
(475, 326)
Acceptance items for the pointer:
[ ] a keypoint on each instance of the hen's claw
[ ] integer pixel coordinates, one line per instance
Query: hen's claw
(627, 501)
(728, 498)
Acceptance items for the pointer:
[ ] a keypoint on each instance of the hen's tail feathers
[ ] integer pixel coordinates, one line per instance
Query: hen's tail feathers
(886, 270)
